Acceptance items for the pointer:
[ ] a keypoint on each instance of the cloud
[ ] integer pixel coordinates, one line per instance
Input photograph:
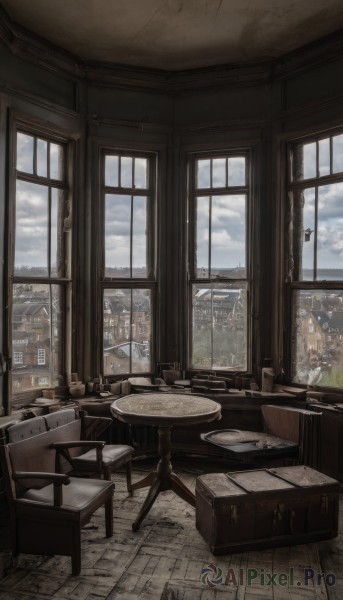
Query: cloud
(31, 225)
(330, 225)
(235, 166)
(118, 217)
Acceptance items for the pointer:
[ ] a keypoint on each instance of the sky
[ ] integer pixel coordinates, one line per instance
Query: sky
(228, 238)
(32, 207)
(330, 205)
(223, 214)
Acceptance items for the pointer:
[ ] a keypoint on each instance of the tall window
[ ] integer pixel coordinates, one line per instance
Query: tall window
(219, 194)
(129, 204)
(40, 266)
(315, 260)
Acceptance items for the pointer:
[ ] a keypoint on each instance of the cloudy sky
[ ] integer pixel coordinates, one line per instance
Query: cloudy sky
(32, 204)
(228, 240)
(132, 171)
(118, 229)
(31, 239)
(330, 205)
(223, 215)
(228, 231)
(330, 227)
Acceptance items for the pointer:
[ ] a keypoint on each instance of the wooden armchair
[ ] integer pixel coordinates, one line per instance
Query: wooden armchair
(48, 509)
(79, 456)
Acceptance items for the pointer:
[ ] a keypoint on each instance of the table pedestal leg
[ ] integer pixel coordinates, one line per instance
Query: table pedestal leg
(163, 479)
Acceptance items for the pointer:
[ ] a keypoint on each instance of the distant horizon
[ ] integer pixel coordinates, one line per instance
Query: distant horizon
(326, 273)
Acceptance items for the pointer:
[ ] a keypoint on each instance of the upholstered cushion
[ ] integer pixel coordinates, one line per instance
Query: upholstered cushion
(26, 429)
(112, 456)
(80, 494)
(60, 417)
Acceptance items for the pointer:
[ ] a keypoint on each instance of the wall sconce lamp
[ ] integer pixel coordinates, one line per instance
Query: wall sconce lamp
(307, 233)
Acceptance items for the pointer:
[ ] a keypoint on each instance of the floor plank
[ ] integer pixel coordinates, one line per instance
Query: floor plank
(167, 559)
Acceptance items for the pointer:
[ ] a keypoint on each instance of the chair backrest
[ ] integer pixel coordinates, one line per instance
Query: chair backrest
(60, 417)
(35, 453)
(25, 429)
(297, 425)
(282, 421)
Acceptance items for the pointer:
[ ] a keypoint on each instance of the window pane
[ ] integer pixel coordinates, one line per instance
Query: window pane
(330, 230)
(111, 170)
(117, 235)
(126, 172)
(317, 330)
(237, 170)
(141, 331)
(201, 328)
(36, 336)
(42, 158)
(219, 172)
(219, 327)
(202, 236)
(31, 233)
(126, 331)
(141, 173)
(25, 152)
(309, 158)
(56, 161)
(139, 237)
(324, 157)
(337, 152)
(57, 242)
(228, 236)
(203, 173)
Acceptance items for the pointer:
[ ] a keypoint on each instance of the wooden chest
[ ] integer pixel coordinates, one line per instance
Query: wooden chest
(264, 508)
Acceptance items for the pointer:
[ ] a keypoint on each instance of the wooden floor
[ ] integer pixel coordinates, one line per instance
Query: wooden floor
(166, 559)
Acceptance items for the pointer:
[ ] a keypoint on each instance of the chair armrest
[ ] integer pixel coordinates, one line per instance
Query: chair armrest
(57, 479)
(84, 443)
(64, 447)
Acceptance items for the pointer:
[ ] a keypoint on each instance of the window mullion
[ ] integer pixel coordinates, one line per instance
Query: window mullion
(315, 244)
(131, 234)
(210, 237)
(49, 231)
(35, 157)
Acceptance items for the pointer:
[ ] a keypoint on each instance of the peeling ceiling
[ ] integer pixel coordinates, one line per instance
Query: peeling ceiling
(178, 34)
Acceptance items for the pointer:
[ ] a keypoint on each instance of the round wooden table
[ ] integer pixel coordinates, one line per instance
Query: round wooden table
(165, 411)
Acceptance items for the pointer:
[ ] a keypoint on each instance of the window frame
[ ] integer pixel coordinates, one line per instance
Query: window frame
(291, 285)
(193, 192)
(19, 122)
(150, 282)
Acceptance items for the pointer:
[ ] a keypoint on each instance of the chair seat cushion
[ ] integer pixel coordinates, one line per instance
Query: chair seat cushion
(79, 495)
(112, 456)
